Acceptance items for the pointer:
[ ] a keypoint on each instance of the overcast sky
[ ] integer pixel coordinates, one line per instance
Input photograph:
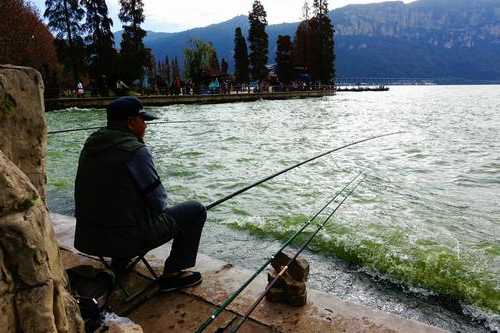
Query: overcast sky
(178, 15)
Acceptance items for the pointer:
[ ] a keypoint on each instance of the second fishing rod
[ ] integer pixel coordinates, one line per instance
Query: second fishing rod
(235, 294)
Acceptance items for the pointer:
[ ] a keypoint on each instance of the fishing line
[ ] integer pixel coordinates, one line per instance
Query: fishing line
(232, 195)
(153, 123)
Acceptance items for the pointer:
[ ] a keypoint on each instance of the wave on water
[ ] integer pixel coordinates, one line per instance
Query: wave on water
(191, 153)
(425, 264)
(475, 181)
(180, 172)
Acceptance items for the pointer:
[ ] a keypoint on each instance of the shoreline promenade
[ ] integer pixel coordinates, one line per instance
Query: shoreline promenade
(52, 104)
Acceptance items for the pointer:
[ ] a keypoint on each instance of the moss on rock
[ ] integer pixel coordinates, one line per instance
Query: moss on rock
(8, 103)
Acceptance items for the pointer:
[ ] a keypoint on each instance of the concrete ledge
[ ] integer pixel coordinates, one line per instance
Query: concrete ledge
(101, 102)
(184, 311)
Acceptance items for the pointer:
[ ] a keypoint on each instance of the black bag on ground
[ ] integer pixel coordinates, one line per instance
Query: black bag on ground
(91, 288)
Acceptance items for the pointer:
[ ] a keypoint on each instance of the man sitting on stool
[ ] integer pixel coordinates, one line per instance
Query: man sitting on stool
(121, 205)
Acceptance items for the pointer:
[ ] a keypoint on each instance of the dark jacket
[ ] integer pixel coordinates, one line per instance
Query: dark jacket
(113, 215)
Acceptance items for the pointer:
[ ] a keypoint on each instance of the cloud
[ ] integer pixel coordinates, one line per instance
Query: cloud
(178, 15)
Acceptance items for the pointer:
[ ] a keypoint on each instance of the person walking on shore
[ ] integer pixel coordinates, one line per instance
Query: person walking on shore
(79, 89)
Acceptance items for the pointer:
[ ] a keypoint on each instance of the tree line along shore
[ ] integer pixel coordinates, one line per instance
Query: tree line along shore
(72, 45)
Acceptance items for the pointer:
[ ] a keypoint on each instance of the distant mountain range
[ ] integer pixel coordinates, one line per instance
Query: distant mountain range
(446, 41)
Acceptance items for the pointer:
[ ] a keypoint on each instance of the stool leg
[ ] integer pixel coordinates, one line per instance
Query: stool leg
(117, 277)
(119, 274)
(150, 269)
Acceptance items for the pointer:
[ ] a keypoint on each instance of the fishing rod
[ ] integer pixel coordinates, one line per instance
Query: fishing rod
(285, 268)
(153, 123)
(233, 296)
(232, 195)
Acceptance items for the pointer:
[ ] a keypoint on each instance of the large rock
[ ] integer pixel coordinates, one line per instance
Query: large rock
(289, 287)
(33, 285)
(298, 268)
(22, 122)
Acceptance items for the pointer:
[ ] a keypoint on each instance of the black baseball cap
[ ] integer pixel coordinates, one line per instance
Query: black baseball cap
(128, 106)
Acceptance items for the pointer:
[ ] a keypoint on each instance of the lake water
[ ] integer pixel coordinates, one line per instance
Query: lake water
(424, 223)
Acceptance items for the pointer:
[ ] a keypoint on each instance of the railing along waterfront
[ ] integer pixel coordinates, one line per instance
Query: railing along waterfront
(164, 100)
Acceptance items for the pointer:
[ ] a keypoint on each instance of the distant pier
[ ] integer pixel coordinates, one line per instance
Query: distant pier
(101, 102)
(361, 88)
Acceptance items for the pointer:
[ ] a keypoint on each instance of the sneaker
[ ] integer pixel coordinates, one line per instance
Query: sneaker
(178, 281)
